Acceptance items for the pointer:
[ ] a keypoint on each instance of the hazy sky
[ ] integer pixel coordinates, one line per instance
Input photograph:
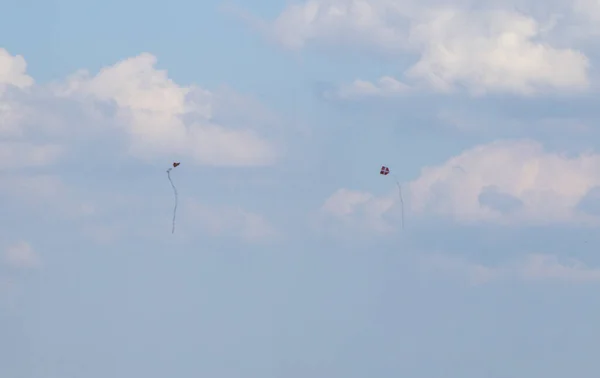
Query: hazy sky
(289, 259)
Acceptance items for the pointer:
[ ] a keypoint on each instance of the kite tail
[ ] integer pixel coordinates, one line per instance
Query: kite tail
(176, 197)
(401, 201)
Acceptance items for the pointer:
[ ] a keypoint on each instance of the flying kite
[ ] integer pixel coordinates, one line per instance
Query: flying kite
(175, 164)
(386, 171)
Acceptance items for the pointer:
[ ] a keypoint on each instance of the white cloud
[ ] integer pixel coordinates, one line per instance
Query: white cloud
(485, 50)
(533, 267)
(13, 71)
(340, 22)
(12, 76)
(359, 211)
(384, 87)
(134, 102)
(493, 51)
(164, 119)
(22, 255)
(509, 182)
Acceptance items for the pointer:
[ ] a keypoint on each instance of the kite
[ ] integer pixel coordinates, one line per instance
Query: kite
(175, 193)
(386, 171)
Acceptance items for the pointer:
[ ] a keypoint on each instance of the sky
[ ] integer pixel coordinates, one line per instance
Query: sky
(292, 256)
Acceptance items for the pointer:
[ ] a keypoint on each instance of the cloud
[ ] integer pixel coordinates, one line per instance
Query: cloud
(362, 212)
(137, 109)
(366, 23)
(483, 50)
(163, 119)
(18, 154)
(493, 51)
(22, 256)
(13, 71)
(533, 267)
(384, 87)
(509, 182)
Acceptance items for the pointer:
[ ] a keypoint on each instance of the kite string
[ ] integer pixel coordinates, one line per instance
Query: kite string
(401, 200)
(176, 198)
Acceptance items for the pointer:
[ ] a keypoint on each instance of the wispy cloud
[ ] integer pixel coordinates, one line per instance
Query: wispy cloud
(22, 256)
(533, 267)
(357, 212)
(383, 88)
(231, 222)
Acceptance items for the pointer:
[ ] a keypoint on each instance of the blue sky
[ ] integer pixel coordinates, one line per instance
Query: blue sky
(289, 258)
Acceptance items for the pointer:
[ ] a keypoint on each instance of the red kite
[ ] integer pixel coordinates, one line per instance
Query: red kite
(386, 171)
(175, 164)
